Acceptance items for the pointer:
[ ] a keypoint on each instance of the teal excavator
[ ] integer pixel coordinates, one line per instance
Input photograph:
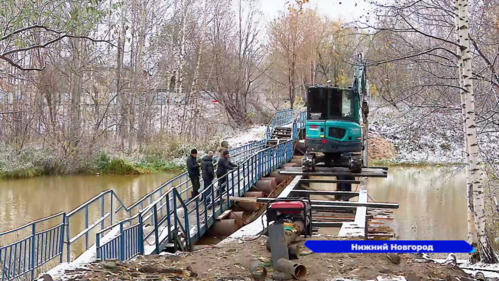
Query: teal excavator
(334, 132)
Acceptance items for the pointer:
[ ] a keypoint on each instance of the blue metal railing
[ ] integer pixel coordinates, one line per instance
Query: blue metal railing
(21, 258)
(182, 181)
(194, 217)
(17, 259)
(281, 118)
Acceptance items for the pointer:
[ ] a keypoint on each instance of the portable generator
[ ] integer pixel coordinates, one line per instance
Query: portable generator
(291, 210)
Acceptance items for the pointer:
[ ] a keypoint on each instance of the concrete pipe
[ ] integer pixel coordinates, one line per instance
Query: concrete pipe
(238, 216)
(267, 185)
(298, 271)
(224, 228)
(278, 177)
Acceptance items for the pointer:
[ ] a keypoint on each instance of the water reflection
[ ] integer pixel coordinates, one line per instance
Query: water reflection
(23, 201)
(432, 201)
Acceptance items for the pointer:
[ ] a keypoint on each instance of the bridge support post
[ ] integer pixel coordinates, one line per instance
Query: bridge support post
(156, 236)
(32, 262)
(62, 236)
(121, 255)
(141, 236)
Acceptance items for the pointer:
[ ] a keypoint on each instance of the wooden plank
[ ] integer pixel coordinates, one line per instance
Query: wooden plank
(334, 172)
(324, 192)
(358, 228)
(326, 224)
(329, 181)
(224, 215)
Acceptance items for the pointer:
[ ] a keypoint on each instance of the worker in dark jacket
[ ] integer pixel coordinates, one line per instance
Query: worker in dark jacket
(193, 170)
(207, 169)
(224, 165)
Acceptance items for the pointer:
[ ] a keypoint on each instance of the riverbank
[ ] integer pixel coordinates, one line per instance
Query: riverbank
(230, 261)
(42, 163)
(166, 155)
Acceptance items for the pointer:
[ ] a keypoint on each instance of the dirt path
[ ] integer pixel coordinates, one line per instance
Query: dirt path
(231, 262)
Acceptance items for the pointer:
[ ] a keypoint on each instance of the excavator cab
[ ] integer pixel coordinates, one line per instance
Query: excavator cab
(334, 134)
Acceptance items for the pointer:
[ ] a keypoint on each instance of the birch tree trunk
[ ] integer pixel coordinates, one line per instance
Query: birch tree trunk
(475, 170)
(469, 186)
(181, 60)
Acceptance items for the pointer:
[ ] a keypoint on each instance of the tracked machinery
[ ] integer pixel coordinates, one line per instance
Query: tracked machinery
(336, 125)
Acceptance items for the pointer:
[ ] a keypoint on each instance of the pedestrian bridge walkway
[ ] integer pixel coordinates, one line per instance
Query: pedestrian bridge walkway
(166, 216)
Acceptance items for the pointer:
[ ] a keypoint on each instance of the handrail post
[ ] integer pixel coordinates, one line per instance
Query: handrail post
(156, 226)
(32, 259)
(168, 215)
(86, 227)
(198, 234)
(68, 247)
(111, 211)
(97, 246)
(238, 182)
(175, 224)
(62, 236)
(140, 237)
(102, 211)
(121, 256)
(187, 230)
(227, 188)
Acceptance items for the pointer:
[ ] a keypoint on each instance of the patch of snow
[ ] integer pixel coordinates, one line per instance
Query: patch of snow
(89, 256)
(427, 136)
(245, 136)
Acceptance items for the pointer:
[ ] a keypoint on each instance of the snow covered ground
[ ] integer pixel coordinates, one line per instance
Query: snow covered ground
(423, 136)
(245, 136)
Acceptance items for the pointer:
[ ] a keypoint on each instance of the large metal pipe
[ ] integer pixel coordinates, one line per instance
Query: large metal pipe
(278, 177)
(238, 216)
(251, 206)
(296, 270)
(267, 185)
(224, 228)
(257, 270)
(290, 236)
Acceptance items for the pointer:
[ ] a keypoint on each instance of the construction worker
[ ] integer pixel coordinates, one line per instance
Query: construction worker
(223, 146)
(207, 169)
(193, 171)
(224, 165)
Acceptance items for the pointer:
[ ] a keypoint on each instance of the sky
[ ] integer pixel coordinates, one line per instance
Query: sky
(348, 10)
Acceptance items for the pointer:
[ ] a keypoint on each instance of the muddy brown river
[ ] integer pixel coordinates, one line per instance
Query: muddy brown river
(432, 200)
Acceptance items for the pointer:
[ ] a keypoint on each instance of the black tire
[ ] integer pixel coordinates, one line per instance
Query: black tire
(313, 164)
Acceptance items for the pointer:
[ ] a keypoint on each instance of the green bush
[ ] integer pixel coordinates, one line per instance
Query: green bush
(121, 167)
(28, 171)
